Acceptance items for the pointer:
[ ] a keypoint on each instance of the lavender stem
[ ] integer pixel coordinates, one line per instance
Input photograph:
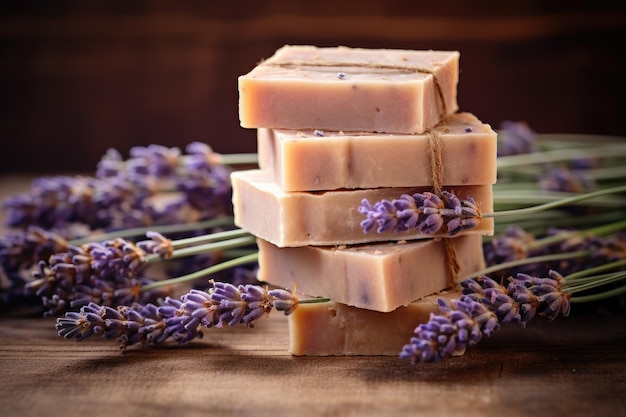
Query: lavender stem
(558, 203)
(195, 250)
(253, 257)
(170, 228)
(528, 261)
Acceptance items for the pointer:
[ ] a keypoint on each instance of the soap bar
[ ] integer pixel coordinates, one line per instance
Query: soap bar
(341, 88)
(335, 329)
(381, 276)
(327, 218)
(306, 160)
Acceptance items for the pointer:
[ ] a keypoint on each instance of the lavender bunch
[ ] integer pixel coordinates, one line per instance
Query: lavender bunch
(199, 175)
(179, 319)
(106, 272)
(109, 272)
(426, 212)
(567, 250)
(484, 306)
(54, 203)
(155, 186)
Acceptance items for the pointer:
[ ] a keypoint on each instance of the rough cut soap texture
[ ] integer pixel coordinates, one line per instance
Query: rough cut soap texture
(335, 329)
(380, 277)
(289, 219)
(341, 88)
(304, 160)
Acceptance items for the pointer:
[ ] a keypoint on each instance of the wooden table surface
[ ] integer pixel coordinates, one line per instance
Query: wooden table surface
(575, 366)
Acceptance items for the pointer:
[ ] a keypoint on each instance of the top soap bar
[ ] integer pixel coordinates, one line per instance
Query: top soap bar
(350, 89)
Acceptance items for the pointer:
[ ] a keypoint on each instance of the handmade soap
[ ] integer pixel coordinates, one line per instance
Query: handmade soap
(334, 329)
(306, 160)
(381, 277)
(341, 88)
(327, 218)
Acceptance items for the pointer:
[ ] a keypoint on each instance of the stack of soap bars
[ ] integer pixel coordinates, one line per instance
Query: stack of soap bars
(337, 126)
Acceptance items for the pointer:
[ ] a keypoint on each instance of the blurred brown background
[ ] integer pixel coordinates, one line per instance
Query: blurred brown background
(78, 77)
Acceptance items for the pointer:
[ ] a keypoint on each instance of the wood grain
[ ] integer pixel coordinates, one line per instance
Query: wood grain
(572, 367)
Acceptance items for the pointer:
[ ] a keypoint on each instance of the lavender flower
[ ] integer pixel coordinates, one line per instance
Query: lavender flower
(515, 138)
(516, 244)
(146, 324)
(223, 305)
(483, 307)
(106, 273)
(124, 193)
(204, 182)
(524, 297)
(426, 212)
(23, 249)
(56, 202)
(566, 180)
(551, 300)
(508, 246)
(451, 332)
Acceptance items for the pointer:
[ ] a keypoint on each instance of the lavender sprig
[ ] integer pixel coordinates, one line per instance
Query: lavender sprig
(431, 214)
(567, 250)
(181, 320)
(106, 273)
(109, 272)
(156, 185)
(480, 311)
(451, 332)
(426, 212)
(485, 305)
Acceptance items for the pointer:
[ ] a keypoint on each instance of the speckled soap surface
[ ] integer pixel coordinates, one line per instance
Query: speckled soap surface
(377, 276)
(335, 329)
(350, 89)
(330, 217)
(308, 160)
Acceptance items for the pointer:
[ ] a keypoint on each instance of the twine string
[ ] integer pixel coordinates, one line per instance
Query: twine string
(435, 149)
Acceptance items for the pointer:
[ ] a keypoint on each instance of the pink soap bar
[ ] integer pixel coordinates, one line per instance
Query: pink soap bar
(335, 329)
(380, 277)
(341, 88)
(306, 160)
(327, 218)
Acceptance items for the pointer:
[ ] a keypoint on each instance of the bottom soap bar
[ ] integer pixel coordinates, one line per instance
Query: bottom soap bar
(334, 329)
(378, 276)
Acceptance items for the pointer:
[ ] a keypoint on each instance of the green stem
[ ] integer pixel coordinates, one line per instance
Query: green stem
(239, 159)
(203, 272)
(609, 150)
(212, 237)
(139, 231)
(529, 260)
(559, 203)
(550, 140)
(314, 300)
(596, 231)
(526, 197)
(593, 271)
(208, 247)
(595, 283)
(600, 296)
(539, 222)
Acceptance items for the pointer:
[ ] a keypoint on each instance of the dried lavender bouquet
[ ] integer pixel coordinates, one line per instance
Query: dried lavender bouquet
(559, 205)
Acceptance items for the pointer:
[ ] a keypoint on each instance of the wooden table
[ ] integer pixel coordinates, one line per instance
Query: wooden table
(575, 366)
